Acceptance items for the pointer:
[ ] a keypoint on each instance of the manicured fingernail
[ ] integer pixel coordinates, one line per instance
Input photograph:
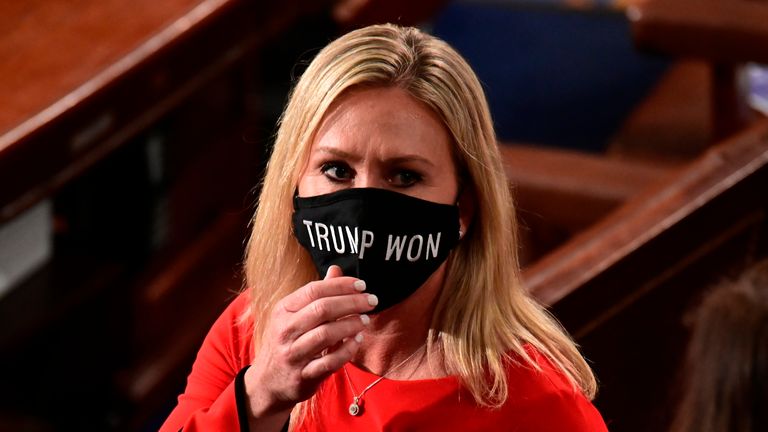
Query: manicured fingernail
(359, 285)
(365, 319)
(373, 300)
(359, 337)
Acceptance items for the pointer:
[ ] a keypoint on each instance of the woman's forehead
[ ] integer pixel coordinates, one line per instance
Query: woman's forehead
(387, 121)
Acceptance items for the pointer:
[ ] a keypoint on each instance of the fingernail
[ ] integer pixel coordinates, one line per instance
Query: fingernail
(359, 337)
(373, 300)
(359, 285)
(365, 319)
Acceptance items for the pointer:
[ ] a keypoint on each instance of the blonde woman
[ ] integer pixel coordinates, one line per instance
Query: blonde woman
(383, 289)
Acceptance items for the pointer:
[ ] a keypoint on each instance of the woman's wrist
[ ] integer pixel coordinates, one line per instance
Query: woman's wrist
(263, 413)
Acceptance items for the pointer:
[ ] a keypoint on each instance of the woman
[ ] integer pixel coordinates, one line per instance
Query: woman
(386, 181)
(726, 369)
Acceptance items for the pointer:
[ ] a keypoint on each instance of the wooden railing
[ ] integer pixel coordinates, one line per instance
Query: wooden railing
(129, 117)
(623, 285)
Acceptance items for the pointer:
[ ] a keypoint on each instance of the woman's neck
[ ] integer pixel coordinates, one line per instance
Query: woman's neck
(400, 331)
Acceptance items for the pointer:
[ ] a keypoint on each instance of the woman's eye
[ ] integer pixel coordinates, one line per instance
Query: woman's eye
(336, 171)
(405, 178)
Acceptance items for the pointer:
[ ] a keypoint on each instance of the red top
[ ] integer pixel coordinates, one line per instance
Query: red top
(538, 401)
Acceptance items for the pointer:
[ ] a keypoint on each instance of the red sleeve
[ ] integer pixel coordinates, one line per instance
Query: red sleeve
(568, 411)
(560, 407)
(208, 402)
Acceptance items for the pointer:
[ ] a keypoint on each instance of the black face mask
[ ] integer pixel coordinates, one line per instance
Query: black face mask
(394, 242)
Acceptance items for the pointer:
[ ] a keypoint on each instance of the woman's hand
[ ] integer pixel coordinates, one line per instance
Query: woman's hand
(312, 333)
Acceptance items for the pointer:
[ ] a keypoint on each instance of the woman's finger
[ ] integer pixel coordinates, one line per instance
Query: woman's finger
(334, 271)
(315, 290)
(331, 362)
(325, 337)
(329, 309)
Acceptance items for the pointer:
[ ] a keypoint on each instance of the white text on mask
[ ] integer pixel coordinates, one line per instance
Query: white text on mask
(343, 237)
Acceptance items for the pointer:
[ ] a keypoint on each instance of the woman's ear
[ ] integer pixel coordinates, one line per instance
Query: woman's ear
(466, 205)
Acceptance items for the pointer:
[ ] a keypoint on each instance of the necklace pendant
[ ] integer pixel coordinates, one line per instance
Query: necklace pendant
(354, 408)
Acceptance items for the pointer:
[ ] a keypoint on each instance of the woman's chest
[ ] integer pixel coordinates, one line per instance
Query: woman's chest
(424, 405)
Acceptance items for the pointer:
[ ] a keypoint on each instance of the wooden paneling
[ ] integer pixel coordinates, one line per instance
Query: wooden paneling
(131, 118)
(723, 33)
(622, 286)
(715, 30)
(560, 193)
(80, 78)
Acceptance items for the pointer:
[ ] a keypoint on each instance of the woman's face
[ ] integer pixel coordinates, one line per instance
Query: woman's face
(381, 138)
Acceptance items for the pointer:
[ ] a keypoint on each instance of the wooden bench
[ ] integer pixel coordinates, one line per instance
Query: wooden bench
(103, 334)
(560, 193)
(702, 99)
(623, 285)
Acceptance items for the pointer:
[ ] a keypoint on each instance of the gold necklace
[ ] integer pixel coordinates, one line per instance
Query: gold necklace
(356, 407)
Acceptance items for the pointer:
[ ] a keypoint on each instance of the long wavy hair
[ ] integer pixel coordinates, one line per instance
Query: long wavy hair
(484, 317)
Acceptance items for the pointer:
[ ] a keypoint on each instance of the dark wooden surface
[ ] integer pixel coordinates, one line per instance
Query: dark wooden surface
(145, 254)
(645, 216)
(560, 193)
(722, 31)
(725, 34)
(622, 287)
(673, 122)
(80, 78)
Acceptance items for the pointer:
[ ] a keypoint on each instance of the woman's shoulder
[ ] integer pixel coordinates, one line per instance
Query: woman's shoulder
(238, 306)
(548, 396)
(543, 375)
(232, 333)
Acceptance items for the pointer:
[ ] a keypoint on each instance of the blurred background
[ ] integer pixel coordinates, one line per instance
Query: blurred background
(133, 136)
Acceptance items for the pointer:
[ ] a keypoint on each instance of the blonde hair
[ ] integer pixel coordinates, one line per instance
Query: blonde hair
(484, 317)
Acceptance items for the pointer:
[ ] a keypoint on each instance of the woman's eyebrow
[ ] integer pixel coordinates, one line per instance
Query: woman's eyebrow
(410, 158)
(338, 153)
(393, 160)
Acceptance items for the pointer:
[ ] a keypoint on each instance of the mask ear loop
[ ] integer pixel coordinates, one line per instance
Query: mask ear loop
(458, 198)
